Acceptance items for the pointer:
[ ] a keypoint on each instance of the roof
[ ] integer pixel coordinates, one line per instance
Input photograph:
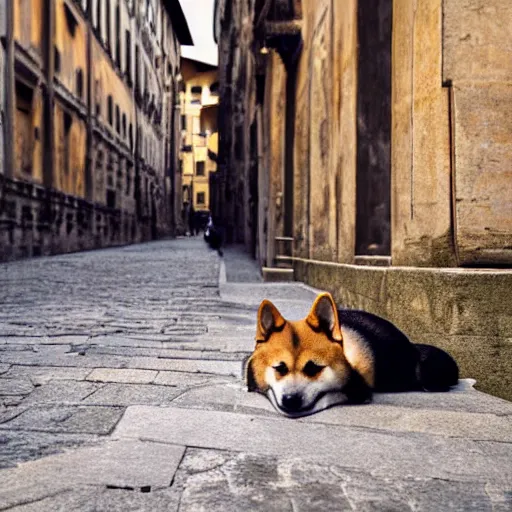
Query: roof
(179, 22)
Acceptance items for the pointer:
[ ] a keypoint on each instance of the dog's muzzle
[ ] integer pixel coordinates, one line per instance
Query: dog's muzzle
(292, 405)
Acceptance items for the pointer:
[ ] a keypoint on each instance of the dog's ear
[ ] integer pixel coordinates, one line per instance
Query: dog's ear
(269, 320)
(324, 316)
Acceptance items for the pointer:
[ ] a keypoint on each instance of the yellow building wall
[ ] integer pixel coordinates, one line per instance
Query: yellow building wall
(200, 185)
(200, 145)
(106, 82)
(325, 133)
(69, 164)
(28, 140)
(71, 47)
(28, 27)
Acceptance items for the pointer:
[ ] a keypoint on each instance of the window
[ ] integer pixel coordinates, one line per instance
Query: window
(118, 119)
(109, 49)
(111, 198)
(183, 122)
(137, 79)
(98, 16)
(79, 82)
(130, 134)
(128, 180)
(56, 56)
(23, 128)
(214, 89)
(118, 35)
(196, 89)
(124, 126)
(66, 156)
(199, 168)
(200, 198)
(110, 110)
(128, 54)
(71, 21)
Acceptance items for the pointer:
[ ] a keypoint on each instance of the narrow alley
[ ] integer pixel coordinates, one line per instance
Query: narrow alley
(121, 386)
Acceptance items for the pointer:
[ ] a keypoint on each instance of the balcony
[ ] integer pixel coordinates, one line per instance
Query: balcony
(282, 28)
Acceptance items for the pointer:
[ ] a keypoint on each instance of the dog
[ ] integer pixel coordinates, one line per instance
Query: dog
(336, 356)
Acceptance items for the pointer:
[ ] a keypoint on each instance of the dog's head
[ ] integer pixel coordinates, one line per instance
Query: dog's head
(300, 366)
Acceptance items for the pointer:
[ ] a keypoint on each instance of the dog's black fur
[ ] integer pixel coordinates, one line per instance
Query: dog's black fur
(399, 364)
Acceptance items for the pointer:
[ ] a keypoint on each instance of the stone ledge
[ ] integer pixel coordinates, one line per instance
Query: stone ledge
(467, 312)
(277, 274)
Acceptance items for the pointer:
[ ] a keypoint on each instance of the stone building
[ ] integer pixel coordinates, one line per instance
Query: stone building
(199, 99)
(375, 138)
(90, 131)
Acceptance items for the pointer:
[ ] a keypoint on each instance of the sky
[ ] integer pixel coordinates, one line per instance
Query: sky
(199, 14)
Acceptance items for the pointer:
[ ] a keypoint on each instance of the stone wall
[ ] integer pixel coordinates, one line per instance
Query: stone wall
(467, 312)
(397, 154)
(36, 221)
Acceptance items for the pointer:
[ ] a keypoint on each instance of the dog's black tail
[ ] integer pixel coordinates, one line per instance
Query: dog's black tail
(436, 370)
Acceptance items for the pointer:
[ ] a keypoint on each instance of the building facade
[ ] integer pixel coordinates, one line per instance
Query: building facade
(199, 147)
(91, 108)
(374, 136)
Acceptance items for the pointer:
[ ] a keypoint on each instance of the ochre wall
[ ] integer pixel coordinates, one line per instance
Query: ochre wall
(28, 142)
(275, 96)
(477, 62)
(28, 132)
(106, 82)
(421, 194)
(72, 48)
(28, 25)
(325, 132)
(69, 176)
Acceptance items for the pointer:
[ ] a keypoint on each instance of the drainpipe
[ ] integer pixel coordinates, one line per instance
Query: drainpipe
(89, 189)
(10, 96)
(49, 146)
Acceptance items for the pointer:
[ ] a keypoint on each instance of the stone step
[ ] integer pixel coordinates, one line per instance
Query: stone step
(273, 274)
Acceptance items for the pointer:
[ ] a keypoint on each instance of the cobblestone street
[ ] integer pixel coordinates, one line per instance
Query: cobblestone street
(121, 389)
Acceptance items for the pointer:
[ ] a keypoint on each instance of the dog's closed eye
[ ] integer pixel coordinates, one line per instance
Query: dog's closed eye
(281, 369)
(311, 369)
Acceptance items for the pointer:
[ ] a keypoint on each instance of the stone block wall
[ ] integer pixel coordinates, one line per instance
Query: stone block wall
(36, 221)
(466, 312)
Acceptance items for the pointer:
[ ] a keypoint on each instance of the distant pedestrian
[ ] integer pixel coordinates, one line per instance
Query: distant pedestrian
(192, 220)
(214, 236)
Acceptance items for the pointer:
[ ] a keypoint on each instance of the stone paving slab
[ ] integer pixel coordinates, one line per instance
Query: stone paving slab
(66, 419)
(380, 451)
(240, 481)
(129, 394)
(128, 464)
(103, 499)
(126, 375)
(126, 369)
(21, 446)
(41, 375)
(61, 392)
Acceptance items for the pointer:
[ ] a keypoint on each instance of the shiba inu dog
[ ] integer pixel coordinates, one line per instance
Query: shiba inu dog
(338, 356)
